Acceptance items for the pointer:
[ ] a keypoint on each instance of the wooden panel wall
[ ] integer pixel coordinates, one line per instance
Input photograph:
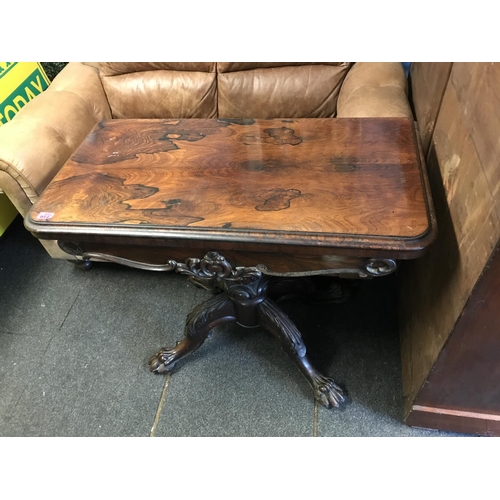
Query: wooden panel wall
(463, 165)
(428, 83)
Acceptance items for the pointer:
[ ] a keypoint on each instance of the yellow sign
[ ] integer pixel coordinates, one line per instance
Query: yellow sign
(7, 213)
(19, 83)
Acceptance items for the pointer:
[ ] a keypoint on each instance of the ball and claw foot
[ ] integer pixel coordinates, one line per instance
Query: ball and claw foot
(163, 361)
(328, 393)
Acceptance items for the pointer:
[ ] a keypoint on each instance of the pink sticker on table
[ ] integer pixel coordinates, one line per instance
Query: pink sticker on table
(45, 215)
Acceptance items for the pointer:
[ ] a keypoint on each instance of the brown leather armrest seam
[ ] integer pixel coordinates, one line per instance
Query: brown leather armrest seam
(63, 139)
(367, 84)
(14, 173)
(378, 86)
(61, 136)
(88, 104)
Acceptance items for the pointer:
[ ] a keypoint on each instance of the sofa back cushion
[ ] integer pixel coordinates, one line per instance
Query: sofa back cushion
(225, 90)
(279, 90)
(160, 90)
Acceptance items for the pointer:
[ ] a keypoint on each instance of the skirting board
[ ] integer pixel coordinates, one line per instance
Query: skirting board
(467, 422)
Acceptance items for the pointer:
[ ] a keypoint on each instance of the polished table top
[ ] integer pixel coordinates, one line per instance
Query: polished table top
(325, 183)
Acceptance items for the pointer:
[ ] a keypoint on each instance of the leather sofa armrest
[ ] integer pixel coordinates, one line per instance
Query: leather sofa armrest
(47, 130)
(374, 90)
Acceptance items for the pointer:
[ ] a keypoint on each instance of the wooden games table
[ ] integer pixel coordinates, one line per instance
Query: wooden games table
(252, 209)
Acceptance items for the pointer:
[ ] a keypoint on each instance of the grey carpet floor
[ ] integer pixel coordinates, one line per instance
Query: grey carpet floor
(74, 347)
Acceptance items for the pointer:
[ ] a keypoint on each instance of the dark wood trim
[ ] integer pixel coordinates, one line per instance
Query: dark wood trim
(463, 422)
(399, 248)
(462, 391)
(431, 212)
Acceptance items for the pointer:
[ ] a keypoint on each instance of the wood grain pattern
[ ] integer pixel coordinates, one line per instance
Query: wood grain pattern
(324, 182)
(463, 174)
(429, 81)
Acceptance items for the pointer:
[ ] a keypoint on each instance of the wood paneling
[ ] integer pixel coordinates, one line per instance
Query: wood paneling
(481, 101)
(429, 82)
(465, 184)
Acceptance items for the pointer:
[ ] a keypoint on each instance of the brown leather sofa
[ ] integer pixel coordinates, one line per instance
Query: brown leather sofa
(45, 133)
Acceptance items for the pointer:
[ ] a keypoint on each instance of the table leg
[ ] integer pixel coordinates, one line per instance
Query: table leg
(200, 321)
(273, 319)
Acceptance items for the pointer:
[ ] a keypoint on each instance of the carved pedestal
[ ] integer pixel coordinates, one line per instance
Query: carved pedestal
(248, 297)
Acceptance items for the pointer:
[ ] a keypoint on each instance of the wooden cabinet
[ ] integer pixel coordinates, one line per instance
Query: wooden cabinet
(450, 299)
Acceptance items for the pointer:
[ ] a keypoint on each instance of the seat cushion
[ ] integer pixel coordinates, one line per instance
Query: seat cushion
(279, 90)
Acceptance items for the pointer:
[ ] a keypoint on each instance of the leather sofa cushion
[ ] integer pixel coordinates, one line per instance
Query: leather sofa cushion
(160, 90)
(279, 90)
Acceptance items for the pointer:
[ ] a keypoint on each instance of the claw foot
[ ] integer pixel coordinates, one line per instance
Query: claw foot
(328, 393)
(163, 361)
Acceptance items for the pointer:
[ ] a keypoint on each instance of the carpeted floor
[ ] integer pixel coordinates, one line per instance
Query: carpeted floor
(74, 347)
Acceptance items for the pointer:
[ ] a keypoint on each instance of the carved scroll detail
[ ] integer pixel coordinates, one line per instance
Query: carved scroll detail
(216, 269)
(380, 267)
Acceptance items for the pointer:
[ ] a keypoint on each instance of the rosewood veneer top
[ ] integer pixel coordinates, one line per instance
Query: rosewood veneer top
(346, 182)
